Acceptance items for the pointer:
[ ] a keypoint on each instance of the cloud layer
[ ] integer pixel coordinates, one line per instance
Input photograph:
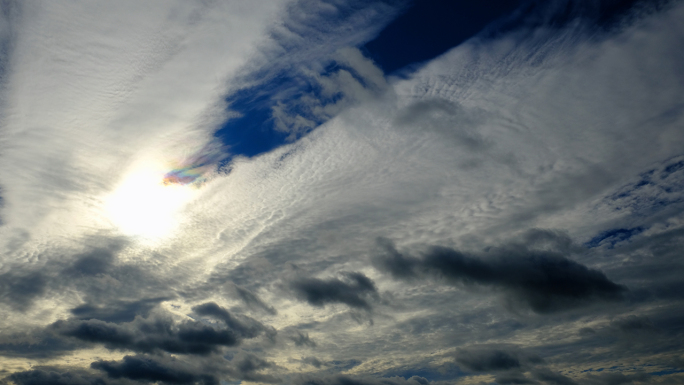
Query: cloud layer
(208, 192)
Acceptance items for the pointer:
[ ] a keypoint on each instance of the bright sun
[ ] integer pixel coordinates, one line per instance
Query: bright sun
(144, 206)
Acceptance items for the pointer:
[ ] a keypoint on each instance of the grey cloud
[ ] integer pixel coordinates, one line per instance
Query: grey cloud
(512, 378)
(98, 261)
(55, 377)
(302, 339)
(358, 380)
(313, 361)
(353, 290)
(160, 333)
(480, 360)
(246, 327)
(117, 311)
(248, 366)
(20, 289)
(447, 119)
(616, 379)
(544, 281)
(253, 301)
(35, 345)
(633, 323)
(150, 370)
(552, 378)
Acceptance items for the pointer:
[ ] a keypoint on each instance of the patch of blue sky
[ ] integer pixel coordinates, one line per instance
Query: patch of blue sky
(655, 189)
(667, 372)
(431, 27)
(612, 237)
(258, 129)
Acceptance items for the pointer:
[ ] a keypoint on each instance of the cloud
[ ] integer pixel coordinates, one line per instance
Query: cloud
(358, 380)
(543, 281)
(253, 301)
(303, 339)
(160, 332)
(152, 371)
(50, 377)
(539, 164)
(487, 360)
(19, 290)
(353, 290)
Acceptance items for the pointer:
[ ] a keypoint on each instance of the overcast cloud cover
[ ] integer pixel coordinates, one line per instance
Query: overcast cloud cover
(225, 192)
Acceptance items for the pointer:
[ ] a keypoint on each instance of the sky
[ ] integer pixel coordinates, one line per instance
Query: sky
(341, 192)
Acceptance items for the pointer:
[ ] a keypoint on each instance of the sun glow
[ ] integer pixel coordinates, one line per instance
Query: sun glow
(146, 205)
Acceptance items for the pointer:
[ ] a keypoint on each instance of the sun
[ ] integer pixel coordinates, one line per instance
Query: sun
(146, 205)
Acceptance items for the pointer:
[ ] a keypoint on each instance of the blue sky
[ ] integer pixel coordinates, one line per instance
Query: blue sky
(341, 192)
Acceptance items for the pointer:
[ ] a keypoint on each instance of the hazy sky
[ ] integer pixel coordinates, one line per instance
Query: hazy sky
(341, 192)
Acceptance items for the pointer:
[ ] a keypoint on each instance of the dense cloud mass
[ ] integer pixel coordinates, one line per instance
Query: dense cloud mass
(351, 290)
(341, 192)
(545, 281)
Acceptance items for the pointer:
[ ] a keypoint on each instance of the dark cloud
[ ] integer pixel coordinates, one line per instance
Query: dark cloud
(349, 380)
(161, 333)
(486, 360)
(353, 290)
(552, 378)
(633, 324)
(98, 261)
(616, 379)
(50, 377)
(303, 339)
(511, 378)
(117, 311)
(313, 361)
(36, 345)
(244, 326)
(248, 367)
(20, 289)
(150, 370)
(544, 281)
(253, 301)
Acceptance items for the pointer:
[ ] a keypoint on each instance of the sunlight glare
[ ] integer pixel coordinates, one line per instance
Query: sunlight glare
(142, 205)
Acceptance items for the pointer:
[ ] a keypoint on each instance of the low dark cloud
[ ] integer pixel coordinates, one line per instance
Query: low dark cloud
(633, 324)
(303, 339)
(97, 261)
(249, 367)
(542, 280)
(117, 311)
(512, 378)
(55, 377)
(161, 333)
(493, 358)
(20, 289)
(146, 369)
(349, 380)
(552, 378)
(253, 301)
(354, 290)
(313, 361)
(244, 326)
(485, 360)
